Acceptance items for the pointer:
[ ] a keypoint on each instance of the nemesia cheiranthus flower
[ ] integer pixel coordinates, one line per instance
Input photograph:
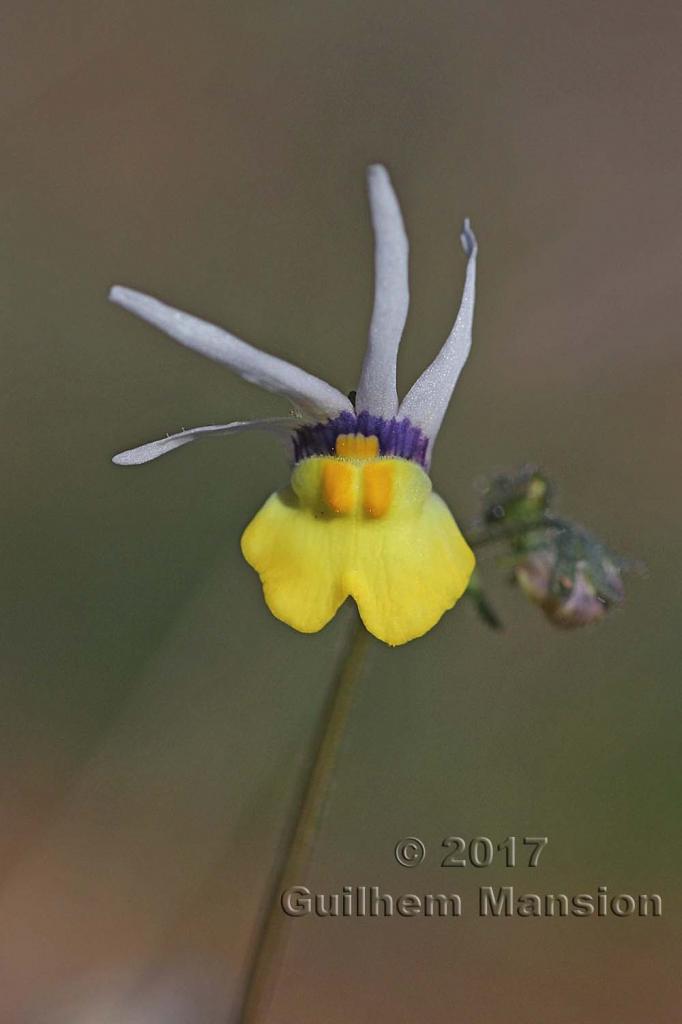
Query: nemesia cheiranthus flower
(359, 518)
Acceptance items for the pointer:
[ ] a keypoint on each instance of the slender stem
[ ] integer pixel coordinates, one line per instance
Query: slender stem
(297, 843)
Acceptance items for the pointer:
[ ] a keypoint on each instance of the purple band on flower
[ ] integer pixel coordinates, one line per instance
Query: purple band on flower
(396, 437)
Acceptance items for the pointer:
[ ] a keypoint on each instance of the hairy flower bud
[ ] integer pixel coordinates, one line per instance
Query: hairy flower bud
(523, 497)
(557, 564)
(572, 590)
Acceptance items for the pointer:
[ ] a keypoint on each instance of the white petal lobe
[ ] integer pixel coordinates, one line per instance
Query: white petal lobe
(427, 400)
(269, 372)
(155, 449)
(377, 391)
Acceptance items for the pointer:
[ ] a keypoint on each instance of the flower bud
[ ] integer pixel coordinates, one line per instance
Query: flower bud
(521, 498)
(557, 564)
(574, 579)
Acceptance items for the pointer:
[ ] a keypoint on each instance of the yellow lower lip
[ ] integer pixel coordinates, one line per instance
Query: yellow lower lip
(368, 528)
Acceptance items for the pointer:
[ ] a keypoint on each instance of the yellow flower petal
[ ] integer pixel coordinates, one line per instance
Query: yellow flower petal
(371, 529)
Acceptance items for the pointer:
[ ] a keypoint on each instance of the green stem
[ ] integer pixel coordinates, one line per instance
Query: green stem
(297, 843)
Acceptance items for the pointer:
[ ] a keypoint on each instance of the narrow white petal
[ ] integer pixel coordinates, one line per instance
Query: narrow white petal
(427, 400)
(377, 391)
(155, 449)
(269, 372)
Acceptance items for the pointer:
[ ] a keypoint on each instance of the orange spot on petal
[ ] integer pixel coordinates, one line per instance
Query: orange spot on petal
(357, 446)
(339, 486)
(378, 488)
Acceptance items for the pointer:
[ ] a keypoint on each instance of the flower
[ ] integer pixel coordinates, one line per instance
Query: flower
(359, 518)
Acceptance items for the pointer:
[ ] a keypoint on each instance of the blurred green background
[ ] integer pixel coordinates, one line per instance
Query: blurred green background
(154, 717)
